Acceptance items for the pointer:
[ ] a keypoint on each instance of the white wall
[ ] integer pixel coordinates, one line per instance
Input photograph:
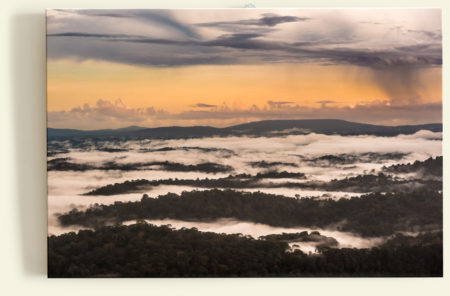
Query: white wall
(23, 168)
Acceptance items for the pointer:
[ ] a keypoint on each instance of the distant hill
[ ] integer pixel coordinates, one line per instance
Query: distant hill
(257, 128)
(329, 126)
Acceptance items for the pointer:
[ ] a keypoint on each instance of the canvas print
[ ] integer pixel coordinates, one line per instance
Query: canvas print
(244, 143)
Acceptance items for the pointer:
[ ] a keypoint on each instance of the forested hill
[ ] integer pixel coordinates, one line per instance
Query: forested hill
(258, 128)
(143, 250)
(369, 215)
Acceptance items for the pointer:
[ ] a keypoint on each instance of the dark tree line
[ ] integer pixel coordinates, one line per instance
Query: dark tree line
(232, 181)
(143, 250)
(188, 148)
(369, 215)
(270, 164)
(343, 159)
(361, 183)
(65, 164)
(431, 166)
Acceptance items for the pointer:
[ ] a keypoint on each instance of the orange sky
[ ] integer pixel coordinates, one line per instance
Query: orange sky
(175, 89)
(113, 68)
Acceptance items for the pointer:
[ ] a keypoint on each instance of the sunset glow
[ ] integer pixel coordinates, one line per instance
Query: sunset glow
(265, 66)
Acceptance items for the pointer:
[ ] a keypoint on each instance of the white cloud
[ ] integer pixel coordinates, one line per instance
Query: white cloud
(107, 114)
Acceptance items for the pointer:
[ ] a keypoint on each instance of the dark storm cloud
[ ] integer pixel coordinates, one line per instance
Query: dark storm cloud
(243, 45)
(414, 48)
(134, 50)
(418, 55)
(161, 17)
(165, 39)
(93, 35)
(383, 58)
(268, 19)
(245, 42)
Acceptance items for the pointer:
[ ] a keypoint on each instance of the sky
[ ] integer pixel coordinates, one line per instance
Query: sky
(116, 68)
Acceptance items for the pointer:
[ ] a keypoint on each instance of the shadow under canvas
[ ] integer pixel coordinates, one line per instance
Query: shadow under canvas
(28, 73)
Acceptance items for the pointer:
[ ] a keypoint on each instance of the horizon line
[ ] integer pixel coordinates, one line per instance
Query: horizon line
(185, 126)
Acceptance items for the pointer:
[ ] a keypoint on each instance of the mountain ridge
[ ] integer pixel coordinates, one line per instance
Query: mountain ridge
(255, 128)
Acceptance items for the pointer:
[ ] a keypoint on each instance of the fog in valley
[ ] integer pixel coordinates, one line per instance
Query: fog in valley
(78, 167)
